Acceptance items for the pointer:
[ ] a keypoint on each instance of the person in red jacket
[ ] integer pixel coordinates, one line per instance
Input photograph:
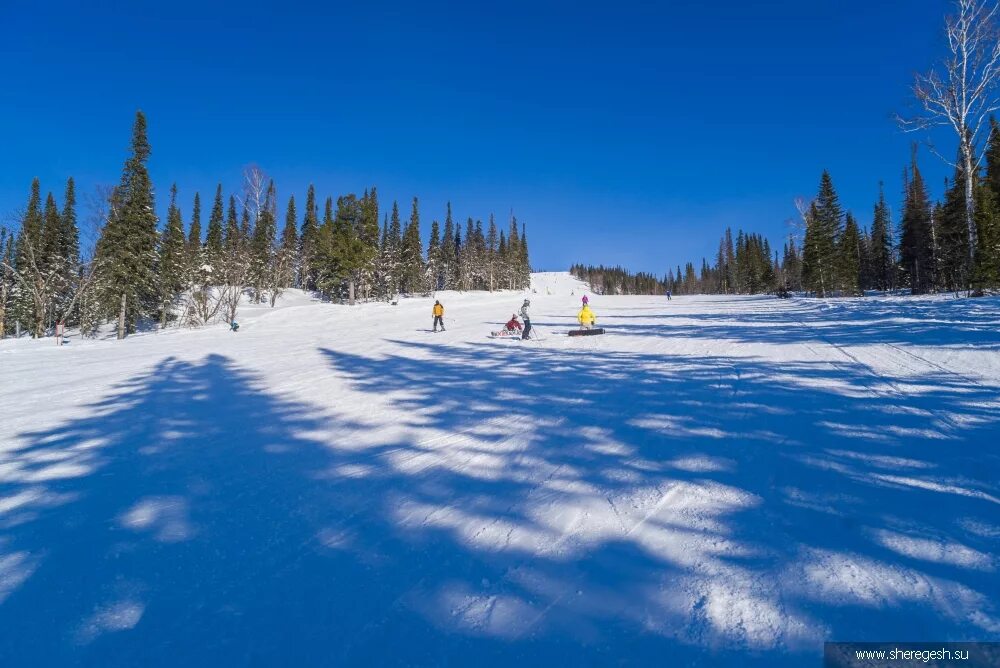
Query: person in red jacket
(513, 324)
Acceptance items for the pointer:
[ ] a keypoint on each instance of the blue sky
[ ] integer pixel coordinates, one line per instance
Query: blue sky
(623, 132)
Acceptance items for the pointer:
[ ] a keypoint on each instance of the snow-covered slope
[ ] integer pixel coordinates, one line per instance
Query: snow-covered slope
(718, 480)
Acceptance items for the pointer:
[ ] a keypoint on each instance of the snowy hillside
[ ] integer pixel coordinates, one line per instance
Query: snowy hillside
(717, 480)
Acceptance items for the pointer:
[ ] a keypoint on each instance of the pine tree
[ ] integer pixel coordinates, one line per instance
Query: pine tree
(849, 257)
(434, 257)
(173, 260)
(232, 243)
(823, 226)
(411, 255)
(51, 257)
(194, 232)
(491, 253)
(448, 257)
(262, 244)
(213, 238)
(127, 247)
(883, 264)
(986, 268)
(916, 244)
(288, 253)
(950, 238)
(308, 239)
(368, 233)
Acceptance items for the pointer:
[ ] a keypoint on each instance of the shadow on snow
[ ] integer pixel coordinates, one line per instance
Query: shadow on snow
(539, 506)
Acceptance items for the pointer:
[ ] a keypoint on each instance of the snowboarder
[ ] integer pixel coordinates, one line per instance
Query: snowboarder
(586, 317)
(513, 324)
(526, 318)
(234, 326)
(438, 311)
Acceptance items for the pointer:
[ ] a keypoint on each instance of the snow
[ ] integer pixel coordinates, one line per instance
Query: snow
(717, 480)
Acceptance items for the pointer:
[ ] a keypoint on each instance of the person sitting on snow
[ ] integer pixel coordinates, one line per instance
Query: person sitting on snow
(513, 324)
(234, 326)
(586, 317)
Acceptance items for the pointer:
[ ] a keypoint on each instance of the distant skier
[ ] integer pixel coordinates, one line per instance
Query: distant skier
(585, 300)
(513, 324)
(438, 311)
(668, 295)
(586, 317)
(234, 326)
(527, 319)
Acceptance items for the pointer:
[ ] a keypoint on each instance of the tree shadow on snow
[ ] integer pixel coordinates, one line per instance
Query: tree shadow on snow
(533, 506)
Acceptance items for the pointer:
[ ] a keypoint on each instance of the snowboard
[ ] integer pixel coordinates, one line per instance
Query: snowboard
(586, 332)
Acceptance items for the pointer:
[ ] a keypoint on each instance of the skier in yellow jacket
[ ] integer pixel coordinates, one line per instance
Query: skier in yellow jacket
(438, 312)
(586, 317)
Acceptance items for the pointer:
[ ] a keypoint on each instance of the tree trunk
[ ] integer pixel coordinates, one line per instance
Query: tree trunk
(121, 319)
(970, 204)
(350, 291)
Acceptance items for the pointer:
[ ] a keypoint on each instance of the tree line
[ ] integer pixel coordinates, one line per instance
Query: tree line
(930, 250)
(140, 272)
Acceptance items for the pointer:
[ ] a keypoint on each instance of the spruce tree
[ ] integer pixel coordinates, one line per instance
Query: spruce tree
(883, 264)
(916, 244)
(986, 267)
(823, 226)
(262, 243)
(231, 243)
(491, 253)
(434, 257)
(448, 252)
(214, 236)
(307, 242)
(194, 232)
(288, 253)
(173, 259)
(127, 247)
(411, 255)
(849, 257)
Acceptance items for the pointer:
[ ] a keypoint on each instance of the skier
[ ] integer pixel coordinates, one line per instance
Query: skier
(438, 311)
(513, 324)
(585, 300)
(526, 318)
(586, 317)
(668, 295)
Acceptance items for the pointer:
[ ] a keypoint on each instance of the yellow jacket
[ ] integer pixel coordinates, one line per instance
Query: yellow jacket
(586, 316)
(438, 310)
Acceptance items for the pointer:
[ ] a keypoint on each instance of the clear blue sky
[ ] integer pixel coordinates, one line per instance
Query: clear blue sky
(619, 132)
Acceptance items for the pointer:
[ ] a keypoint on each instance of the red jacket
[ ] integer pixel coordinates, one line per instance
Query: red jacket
(513, 324)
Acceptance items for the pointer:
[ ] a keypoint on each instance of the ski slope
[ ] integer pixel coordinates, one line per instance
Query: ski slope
(716, 481)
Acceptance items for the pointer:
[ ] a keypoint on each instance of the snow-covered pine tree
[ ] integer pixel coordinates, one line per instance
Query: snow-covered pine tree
(434, 275)
(448, 257)
(172, 266)
(214, 234)
(194, 232)
(286, 259)
(411, 255)
(6, 276)
(308, 240)
(263, 276)
(126, 249)
(525, 265)
(492, 241)
(368, 232)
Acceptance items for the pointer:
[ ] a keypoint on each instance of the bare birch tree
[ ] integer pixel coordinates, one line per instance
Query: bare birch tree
(961, 92)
